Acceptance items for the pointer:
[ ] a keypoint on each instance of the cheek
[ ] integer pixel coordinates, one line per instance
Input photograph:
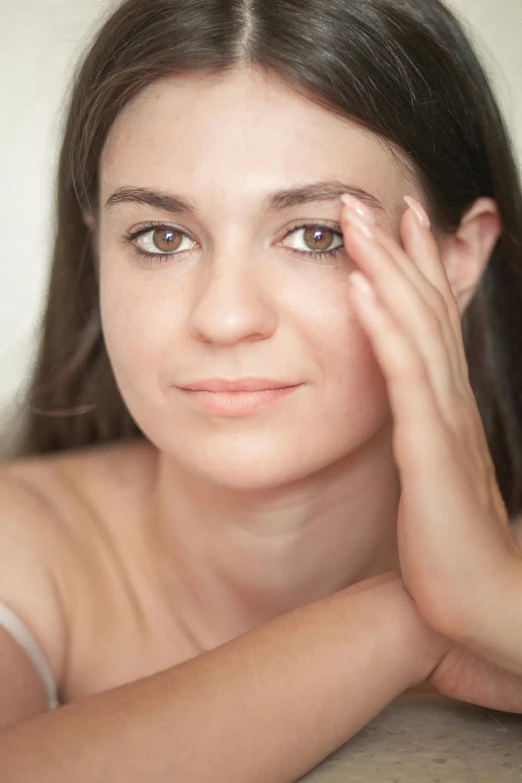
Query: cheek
(136, 331)
(347, 362)
(354, 394)
(361, 385)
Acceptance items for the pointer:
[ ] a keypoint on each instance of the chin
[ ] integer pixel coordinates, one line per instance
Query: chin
(249, 463)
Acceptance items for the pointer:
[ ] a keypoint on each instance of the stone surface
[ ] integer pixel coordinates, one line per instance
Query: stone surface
(425, 738)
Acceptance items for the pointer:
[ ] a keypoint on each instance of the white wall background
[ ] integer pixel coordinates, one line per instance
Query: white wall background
(41, 40)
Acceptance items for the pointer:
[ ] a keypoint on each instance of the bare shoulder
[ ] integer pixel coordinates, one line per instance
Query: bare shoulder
(99, 466)
(99, 482)
(88, 495)
(30, 551)
(54, 527)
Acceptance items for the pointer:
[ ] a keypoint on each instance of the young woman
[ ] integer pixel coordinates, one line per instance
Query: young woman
(252, 502)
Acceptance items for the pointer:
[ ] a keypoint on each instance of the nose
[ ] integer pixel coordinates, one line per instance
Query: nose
(233, 300)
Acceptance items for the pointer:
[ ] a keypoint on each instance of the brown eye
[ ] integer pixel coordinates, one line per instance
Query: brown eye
(160, 241)
(317, 238)
(314, 241)
(166, 239)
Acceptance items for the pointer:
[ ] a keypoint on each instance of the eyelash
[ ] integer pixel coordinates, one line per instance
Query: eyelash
(150, 258)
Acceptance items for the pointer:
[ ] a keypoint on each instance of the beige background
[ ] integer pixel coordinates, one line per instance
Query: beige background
(40, 43)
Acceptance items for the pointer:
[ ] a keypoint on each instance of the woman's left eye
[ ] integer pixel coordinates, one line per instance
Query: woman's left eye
(318, 237)
(159, 240)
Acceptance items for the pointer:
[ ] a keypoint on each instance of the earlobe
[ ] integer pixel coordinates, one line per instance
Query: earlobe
(466, 253)
(88, 219)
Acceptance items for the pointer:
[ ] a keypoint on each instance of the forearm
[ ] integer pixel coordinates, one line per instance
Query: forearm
(263, 708)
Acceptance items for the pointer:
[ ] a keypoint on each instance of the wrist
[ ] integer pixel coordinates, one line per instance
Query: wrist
(410, 644)
(424, 646)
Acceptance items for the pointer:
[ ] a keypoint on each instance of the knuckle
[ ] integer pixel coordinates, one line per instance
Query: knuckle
(453, 307)
(408, 362)
(433, 324)
(436, 300)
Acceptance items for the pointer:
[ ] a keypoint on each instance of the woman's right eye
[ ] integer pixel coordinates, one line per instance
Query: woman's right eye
(164, 240)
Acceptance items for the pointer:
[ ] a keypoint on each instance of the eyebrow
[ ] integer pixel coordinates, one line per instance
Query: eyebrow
(275, 202)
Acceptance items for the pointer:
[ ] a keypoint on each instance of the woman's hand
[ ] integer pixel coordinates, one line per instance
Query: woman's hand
(458, 555)
(449, 668)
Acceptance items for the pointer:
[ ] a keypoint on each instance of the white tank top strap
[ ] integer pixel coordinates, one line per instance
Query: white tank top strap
(21, 633)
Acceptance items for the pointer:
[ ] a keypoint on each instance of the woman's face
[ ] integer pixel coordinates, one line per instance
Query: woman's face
(231, 297)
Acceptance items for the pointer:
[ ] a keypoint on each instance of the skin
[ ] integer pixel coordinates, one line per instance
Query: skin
(251, 517)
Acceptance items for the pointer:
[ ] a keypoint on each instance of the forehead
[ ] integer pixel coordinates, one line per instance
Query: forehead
(238, 135)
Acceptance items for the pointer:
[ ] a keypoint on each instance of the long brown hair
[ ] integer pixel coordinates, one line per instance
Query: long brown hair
(404, 69)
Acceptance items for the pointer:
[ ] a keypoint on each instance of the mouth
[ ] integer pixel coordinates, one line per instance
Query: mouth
(239, 402)
(246, 384)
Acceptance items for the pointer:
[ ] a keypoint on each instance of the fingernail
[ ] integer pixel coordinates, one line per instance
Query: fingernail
(419, 211)
(358, 207)
(360, 224)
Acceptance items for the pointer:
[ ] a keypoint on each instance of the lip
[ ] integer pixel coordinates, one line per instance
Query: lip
(246, 384)
(237, 403)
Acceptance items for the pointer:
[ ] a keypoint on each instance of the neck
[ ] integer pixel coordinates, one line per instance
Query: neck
(233, 559)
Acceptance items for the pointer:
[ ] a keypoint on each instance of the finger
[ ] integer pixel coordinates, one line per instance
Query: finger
(407, 308)
(420, 245)
(420, 260)
(412, 398)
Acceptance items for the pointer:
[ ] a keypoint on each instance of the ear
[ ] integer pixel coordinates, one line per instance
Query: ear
(90, 222)
(466, 253)
(88, 219)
